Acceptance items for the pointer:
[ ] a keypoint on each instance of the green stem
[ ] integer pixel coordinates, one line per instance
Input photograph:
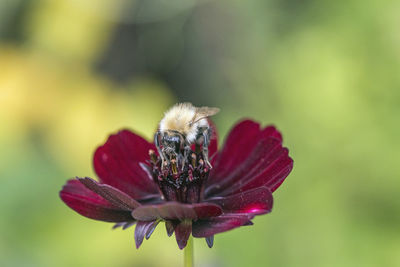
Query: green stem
(188, 253)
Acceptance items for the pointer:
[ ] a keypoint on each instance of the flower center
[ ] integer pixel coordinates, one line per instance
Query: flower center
(180, 179)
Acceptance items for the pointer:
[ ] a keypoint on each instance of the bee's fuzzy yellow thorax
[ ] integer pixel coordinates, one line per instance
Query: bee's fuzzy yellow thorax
(178, 118)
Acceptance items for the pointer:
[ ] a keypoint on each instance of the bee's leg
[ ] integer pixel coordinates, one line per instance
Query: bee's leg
(157, 137)
(206, 143)
(186, 152)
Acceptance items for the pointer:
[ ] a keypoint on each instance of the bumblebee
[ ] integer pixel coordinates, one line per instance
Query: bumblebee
(182, 126)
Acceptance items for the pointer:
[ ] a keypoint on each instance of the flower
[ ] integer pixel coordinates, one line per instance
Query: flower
(133, 188)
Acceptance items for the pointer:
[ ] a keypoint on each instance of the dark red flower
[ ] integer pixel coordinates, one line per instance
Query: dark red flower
(133, 188)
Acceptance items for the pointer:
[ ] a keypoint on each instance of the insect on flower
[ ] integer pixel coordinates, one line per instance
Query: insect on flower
(172, 180)
(182, 126)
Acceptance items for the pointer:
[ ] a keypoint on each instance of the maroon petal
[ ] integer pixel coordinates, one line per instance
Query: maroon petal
(258, 159)
(271, 177)
(241, 136)
(267, 164)
(240, 143)
(91, 205)
(117, 164)
(113, 195)
(176, 211)
(270, 171)
(142, 228)
(256, 201)
(215, 225)
(182, 233)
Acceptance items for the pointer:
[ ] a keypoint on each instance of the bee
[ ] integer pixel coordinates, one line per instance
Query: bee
(182, 126)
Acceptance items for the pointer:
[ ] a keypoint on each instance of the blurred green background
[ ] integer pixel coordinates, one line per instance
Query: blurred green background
(326, 73)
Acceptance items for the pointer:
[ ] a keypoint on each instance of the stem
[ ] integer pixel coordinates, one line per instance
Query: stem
(188, 253)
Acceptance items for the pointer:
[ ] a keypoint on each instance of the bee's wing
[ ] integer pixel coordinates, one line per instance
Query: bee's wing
(203, 112)
(206, 111)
